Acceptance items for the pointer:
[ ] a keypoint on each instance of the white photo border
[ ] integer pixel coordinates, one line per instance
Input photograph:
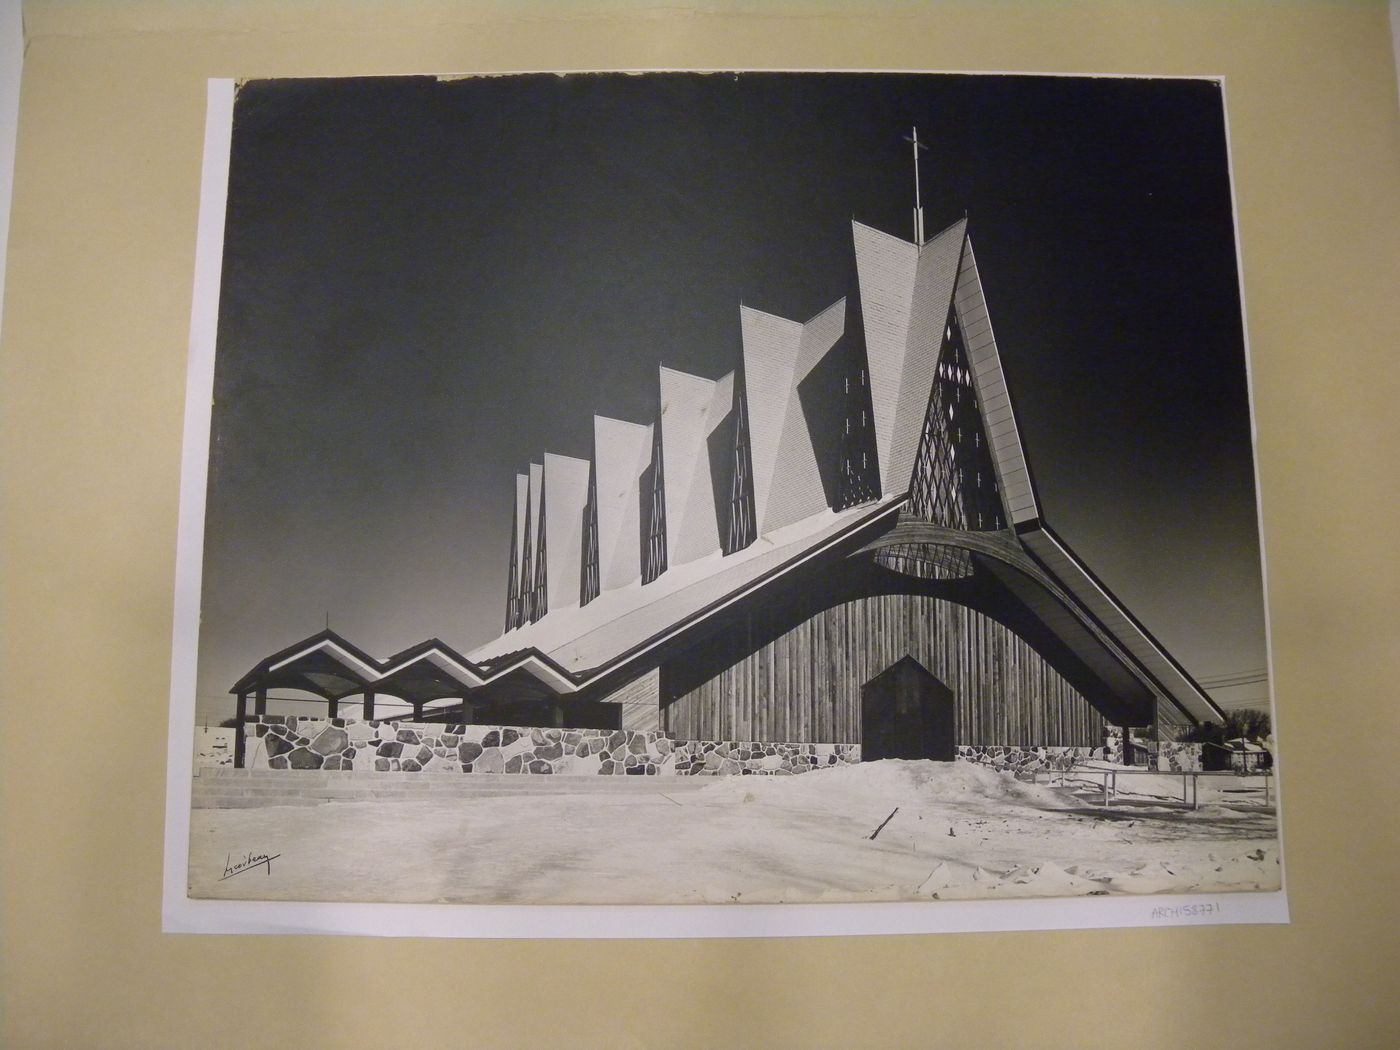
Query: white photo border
(182, 914)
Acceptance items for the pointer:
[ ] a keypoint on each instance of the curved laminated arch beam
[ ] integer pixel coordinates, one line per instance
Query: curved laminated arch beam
(1102, 634)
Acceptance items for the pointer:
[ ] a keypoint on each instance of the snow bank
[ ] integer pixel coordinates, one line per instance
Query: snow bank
(888, 830)
(899, 780)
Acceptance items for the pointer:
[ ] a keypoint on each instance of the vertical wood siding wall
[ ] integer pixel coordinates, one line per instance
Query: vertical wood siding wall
(805, 684)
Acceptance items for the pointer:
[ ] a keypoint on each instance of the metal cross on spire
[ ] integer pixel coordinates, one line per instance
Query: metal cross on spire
(918, 202)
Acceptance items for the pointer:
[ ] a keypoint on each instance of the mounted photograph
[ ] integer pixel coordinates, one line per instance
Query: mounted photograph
(725, 488)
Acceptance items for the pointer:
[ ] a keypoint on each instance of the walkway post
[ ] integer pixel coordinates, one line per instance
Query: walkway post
(368, 713)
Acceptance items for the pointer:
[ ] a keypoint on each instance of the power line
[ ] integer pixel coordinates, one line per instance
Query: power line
(1234, 680)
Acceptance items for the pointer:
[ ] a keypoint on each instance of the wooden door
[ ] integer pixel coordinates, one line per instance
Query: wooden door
(906, 713)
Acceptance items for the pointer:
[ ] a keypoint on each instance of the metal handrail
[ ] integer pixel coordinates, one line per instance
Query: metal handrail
(1110, 780)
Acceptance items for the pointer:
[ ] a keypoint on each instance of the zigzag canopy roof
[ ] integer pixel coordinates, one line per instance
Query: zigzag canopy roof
(329, 666)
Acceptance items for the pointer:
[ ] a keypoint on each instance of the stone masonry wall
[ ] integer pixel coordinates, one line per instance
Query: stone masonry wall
(1028, 759)
(711, 757)
(1178, 758)
(290, 742)
(1171, 757)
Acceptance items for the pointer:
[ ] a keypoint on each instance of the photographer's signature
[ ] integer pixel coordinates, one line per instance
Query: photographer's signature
(247, 862)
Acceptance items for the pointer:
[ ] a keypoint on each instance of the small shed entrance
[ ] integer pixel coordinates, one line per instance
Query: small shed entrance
(906, 713)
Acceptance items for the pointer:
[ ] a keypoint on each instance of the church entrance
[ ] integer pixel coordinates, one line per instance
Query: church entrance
(906, 713)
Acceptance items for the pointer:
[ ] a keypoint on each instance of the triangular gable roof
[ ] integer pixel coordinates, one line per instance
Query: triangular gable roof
(357, 664)
(905, 292)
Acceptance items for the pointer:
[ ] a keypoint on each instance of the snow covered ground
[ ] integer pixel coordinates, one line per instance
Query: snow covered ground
(946, 831)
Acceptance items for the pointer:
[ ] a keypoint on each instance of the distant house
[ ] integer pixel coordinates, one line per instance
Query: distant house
(1249, 755)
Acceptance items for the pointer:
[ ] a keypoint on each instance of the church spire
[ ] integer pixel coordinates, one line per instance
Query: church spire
(918, 147)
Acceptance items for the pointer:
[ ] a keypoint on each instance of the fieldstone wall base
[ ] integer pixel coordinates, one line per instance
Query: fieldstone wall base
(1112, 743)
(722, 757)
(1179, 758)
(1029, 759)
(291, 742)
(1171, 757)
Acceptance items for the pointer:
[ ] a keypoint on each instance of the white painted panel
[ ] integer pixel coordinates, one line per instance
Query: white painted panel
(796, 490)
(905, 292)
(699, 533)
(685, 402)
(522, 510)
(886, 267)
(622, 453)
(565, 495)
(532, 538)
(771, 348)
(935, 276)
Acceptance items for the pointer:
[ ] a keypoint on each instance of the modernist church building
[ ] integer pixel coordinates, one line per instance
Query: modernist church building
(838, 541)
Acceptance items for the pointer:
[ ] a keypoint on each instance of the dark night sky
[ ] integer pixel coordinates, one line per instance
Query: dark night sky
(426, 284)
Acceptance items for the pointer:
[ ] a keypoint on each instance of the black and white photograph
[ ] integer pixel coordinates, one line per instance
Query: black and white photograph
(728, 488)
